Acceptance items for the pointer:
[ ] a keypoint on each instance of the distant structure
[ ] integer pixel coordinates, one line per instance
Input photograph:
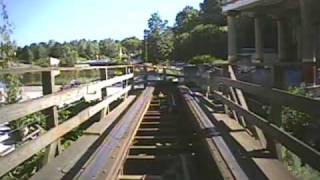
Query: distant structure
(2, 92)
(298, 30)
(54, 62)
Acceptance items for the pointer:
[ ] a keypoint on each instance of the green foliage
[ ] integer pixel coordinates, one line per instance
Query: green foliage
(210, 13)
(294, 121)
(199, 32)
(27, 169)
(37, 117)
(132, 46)
(202, 39)
(159, 39)
(297, 167)
(77, 50)
(202, 59)
(109, 48)
(186, 20)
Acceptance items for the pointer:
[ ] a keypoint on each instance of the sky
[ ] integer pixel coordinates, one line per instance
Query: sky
(65, 20)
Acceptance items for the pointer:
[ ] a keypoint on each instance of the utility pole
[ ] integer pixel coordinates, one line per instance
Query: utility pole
(146, 34)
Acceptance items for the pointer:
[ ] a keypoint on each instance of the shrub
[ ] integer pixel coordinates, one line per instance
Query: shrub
(202, 59)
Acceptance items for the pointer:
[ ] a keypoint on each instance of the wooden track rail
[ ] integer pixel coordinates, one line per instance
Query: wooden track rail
(219, 151)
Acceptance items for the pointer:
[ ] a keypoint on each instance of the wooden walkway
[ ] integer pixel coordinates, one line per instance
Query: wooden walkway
(251, 154)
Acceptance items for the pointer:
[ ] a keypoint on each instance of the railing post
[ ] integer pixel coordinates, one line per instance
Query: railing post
(275, 115)
(132, 80)
(127, 71)
(145, 77)
(164, 74)
(52, 116)
(104, 93)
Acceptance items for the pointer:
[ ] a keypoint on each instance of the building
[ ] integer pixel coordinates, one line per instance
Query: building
(297, 24)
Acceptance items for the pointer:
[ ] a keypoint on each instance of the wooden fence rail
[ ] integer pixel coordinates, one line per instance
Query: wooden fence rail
(304, 104)
(92, 91)
(219, 85)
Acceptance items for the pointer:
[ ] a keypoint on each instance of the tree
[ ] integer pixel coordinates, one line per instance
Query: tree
(199, 32)
(166, 45)
(41, 51)
(25, 55)
(156, 24)
(132, 45)
(211, 13)
(7, 54)
(109, 48)
(186, 20)
(92, 49)
(160, 39)
(69, 56)
(56, 50)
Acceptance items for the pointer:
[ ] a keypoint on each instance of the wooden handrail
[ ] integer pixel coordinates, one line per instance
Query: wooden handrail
(18, 110)
(304, 104)
(26, 151)
(46, 69)
(301, 149)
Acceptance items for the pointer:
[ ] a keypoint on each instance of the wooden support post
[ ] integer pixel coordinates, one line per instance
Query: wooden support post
(132, 80)
(52, 116)
(126, 83)
(104, 94)
(276, 111)
(145, 77)
(240, 99)
(165, 74)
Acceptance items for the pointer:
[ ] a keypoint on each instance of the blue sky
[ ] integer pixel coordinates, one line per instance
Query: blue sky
(65, 20)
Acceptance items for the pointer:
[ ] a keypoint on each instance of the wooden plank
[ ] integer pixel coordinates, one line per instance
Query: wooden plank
(23, 153)
(140, 177)
(33, 69)
(99, 127)
(64, 162)
(263, 64)
(301, 149)
(143, 157)
(271, 168)
(18, 110)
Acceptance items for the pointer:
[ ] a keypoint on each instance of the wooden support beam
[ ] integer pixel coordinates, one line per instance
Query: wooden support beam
(52, 117)
(103, 77)
(240, 99)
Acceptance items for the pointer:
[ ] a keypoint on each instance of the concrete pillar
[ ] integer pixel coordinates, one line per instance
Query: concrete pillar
(282, 44)
(258, 38)
(232, 38)
(308, 49)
